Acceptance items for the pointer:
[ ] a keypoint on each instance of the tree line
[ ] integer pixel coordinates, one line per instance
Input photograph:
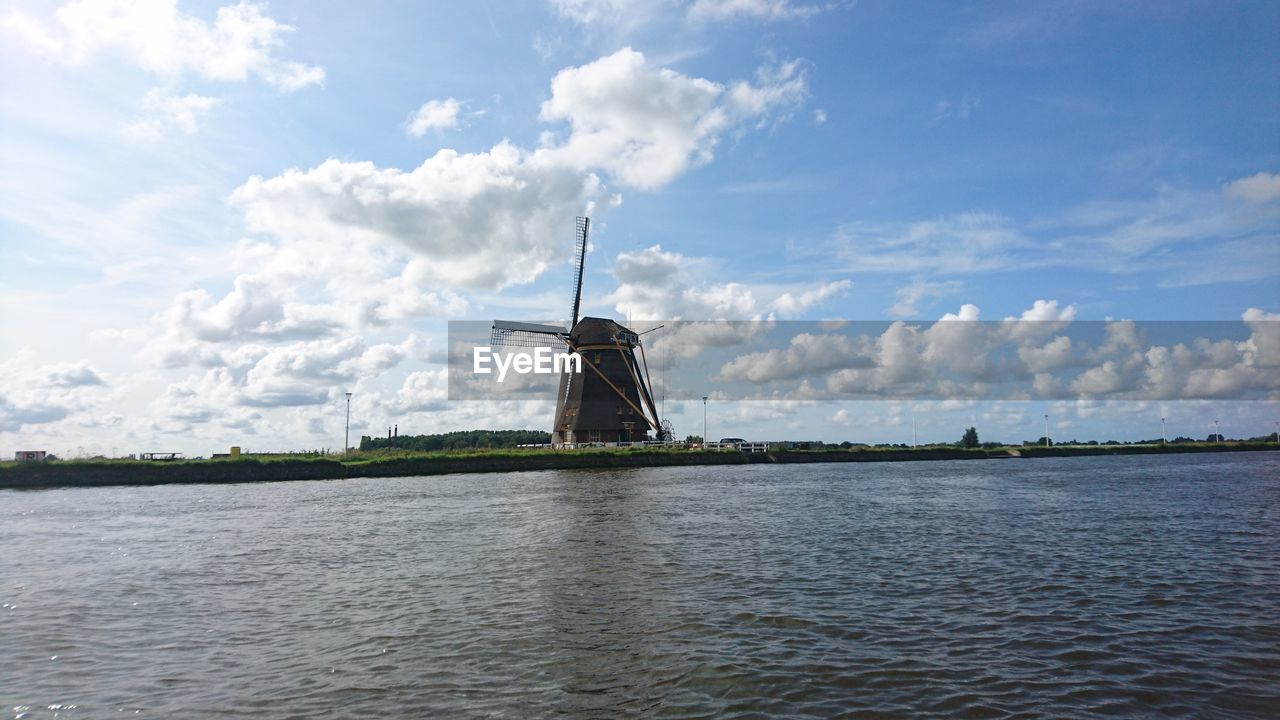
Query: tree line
(458, 440)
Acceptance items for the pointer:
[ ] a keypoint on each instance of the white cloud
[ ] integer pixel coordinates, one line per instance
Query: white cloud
(910, 296)
(1042, 319)
(960, 357)
(588, 12)
(805, 354)
(434, 114)
(646, 126)
(1261, 187)
(652, 286)
(474, 220)
(964, 243)
(791, 305)
(156, 36)
(630, 14)
(34, 394)
(423, 391)
(311, 372)
(170, 111)
(1189, 237)
(1046, 311)
(1053, 355)
(714, 10)
(959, 109)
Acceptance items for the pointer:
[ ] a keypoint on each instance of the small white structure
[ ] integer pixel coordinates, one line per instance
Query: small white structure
(30, 455)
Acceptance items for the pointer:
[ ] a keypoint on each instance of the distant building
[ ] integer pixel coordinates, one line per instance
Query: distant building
(30, 455)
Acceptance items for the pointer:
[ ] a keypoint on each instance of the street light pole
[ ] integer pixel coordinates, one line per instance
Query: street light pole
(346, 441)
(704, 422)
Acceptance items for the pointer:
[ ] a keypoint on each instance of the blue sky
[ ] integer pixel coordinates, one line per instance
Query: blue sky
(216, 219)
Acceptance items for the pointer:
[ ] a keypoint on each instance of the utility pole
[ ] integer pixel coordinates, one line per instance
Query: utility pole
(704, 421)
(346, 443)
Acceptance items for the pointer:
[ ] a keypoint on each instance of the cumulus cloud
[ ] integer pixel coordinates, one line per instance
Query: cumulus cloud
(961, 357)
(34, 394)
(156, 36)
(340, 250)
(646, 126)
(805, 354)
(260, 376)
(422, 391)
(475, 220)
(491, 219)
(652, 285)
(434, 114)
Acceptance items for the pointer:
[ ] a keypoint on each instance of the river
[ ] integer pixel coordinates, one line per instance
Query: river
(1120, 586)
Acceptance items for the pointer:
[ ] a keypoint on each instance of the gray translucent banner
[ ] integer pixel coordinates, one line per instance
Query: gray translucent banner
(945, 359)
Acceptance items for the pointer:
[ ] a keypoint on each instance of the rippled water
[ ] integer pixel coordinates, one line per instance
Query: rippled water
(1131, 586)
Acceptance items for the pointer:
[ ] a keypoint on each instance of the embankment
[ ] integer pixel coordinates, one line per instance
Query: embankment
(127, 472)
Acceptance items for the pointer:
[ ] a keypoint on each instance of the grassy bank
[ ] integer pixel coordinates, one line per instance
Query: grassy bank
(401, 464)
(74, 473)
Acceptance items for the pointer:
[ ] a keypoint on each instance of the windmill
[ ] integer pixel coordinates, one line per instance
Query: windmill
(610, 399)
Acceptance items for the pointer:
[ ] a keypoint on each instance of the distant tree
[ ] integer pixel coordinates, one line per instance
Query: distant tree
(693, 440)
(1214, 437)
(970, 439)
(458, 440)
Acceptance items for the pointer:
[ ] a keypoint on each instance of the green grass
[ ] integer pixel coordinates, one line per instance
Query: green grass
(395, 462)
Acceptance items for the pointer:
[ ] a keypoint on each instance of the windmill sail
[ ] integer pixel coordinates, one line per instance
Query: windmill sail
(506, 333)
(582, 229)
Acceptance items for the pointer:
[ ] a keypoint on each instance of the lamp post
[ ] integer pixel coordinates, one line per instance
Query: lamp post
(704, 422)
(1164, 436)
(346, 441)
(1046, 431)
